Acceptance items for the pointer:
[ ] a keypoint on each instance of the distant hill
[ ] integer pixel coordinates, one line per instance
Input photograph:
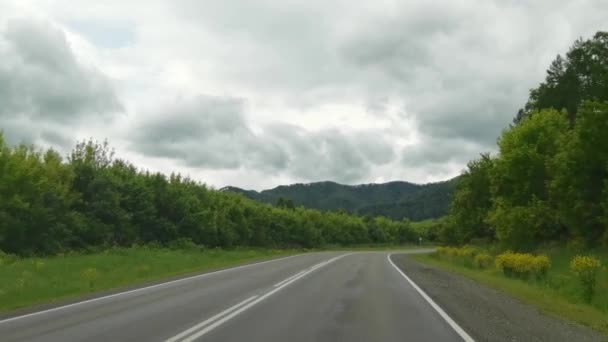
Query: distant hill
(396, 200)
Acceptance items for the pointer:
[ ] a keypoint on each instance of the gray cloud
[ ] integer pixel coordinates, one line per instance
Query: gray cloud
(43, 84)
(434, 152)
(434, 57)
(357, 82)
(462, 69)
(212, 132)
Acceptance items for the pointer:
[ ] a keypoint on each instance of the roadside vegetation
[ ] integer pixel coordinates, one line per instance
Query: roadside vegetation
(547, 279)
(51, 205)
(70, 226)
(36, 280)
(532, 220)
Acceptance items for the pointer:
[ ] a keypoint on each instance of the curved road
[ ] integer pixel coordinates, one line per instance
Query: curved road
(331, 296)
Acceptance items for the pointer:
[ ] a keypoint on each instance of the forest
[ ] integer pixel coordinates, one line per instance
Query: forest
(395, 200)
(549, 179)
(91, 199)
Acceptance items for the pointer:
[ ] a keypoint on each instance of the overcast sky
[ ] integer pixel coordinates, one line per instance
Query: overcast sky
(261, 93)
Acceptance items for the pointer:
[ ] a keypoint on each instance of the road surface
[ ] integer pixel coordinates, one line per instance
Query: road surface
(331, 296)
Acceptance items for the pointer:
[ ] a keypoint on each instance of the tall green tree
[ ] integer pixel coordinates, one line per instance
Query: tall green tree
(580, 187)
(581, 76)
(522, 212)
(471, 203)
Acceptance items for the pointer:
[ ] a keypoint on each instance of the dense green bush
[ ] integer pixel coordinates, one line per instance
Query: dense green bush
(92, 200)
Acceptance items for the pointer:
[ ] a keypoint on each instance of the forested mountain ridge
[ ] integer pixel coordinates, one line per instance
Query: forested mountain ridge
(396, 200)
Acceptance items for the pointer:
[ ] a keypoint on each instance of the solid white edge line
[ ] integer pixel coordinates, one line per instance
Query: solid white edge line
(144, 288)
(221, 321)
(463, 334)
(210, 320)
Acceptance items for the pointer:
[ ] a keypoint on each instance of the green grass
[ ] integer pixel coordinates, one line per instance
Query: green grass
(559, 294)
(30, 281)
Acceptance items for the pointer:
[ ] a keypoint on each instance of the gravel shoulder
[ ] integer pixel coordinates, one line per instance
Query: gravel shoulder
(487, 314)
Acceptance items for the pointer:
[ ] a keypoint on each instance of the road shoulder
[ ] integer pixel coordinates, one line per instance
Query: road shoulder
(487, 314)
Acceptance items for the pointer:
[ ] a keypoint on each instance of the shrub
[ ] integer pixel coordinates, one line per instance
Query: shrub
(464, 254)
(183, 244)
(576, 244)
(482, 260)
(6, 259)
(466, 251)
(447, 251)
(586, 269)
(540, 266)
(523, 264)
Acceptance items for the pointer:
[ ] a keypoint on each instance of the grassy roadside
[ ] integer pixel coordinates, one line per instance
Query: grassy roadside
(31, 281)
(552, 301)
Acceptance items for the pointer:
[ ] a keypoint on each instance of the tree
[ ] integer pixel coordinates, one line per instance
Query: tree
(581, 76)
(580, 186)
(471, 203)
(522, 212)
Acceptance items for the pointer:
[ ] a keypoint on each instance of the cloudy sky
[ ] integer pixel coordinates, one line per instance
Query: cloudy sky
(261, 93)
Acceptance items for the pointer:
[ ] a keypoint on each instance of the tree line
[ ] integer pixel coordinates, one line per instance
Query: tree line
(549, 180)
(395, 200)
(50, 204)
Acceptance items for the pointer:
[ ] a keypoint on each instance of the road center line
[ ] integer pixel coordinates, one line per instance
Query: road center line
(321, 264)
(463, 334)
(210, 320)
(245, 306)
(288, 279)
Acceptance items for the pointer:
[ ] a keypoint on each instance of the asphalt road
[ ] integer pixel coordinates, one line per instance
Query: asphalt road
(311, 297)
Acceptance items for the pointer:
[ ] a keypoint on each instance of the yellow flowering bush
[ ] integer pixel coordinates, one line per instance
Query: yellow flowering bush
(540, 265)
(482, 260)
(466, 251)
(586, 269)
(523, 264)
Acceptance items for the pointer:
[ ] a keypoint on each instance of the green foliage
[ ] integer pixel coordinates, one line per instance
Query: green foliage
(395, 200)
(92, 200)
(581, 183)
(483, 260)
(549, 181)
(586, 269)
(471, 203)
(465, 255)
(581, 76)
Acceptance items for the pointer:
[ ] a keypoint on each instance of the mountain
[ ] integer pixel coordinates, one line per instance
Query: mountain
(396, 200)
